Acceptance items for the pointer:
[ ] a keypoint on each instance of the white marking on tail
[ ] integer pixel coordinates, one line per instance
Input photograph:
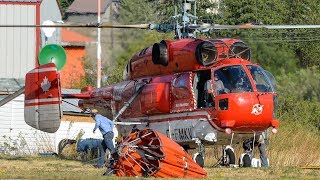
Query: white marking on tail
(43, 70)
(45, 85)
(41, 100)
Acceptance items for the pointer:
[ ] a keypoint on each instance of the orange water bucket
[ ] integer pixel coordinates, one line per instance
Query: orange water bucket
(150, 153)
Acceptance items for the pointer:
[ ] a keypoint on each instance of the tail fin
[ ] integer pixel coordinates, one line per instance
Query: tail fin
(43, 100)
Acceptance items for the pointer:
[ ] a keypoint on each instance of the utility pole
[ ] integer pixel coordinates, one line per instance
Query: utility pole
(99, 47)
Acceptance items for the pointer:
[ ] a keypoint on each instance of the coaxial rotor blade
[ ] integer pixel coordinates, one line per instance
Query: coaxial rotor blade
(288, 26)
(251, 26)
(72, 25)
(136, 26)
(50, 26)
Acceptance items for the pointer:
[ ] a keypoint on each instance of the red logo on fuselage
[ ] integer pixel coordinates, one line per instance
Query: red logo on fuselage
(257, 109)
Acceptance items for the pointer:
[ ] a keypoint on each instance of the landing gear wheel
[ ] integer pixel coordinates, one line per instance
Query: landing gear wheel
(231, 159)
(246, 160)
(199, 156)
(199, 159)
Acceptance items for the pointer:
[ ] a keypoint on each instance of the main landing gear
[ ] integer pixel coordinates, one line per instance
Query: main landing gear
(228, 157)
(199, 156)
(247, 159)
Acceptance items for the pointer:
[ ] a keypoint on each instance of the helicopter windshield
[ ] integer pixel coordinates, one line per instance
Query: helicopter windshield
(260, 78)
(231, 79)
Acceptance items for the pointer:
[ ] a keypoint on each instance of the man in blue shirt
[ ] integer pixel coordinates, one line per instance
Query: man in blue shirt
(105, 126)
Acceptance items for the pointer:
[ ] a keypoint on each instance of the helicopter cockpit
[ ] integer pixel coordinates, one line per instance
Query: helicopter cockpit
(263, 80)
(234, 79)
(231, 79)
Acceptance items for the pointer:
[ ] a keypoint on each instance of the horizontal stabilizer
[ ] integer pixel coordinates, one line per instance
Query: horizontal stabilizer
(43, 98)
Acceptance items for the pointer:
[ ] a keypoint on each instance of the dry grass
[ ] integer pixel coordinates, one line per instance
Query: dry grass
(28, 167)
(293, 145)
(70, 152)
(291, 148)
(263, 173)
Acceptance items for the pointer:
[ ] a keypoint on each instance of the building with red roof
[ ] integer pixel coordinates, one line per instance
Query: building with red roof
(75, 46)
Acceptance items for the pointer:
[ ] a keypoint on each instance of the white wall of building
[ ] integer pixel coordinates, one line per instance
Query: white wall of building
(17, 45)
(17, 138)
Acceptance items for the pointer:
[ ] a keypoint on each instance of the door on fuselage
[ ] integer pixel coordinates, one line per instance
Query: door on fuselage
(181, 93)
(202, 86)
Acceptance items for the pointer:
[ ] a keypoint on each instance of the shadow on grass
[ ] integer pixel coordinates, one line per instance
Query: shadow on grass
(14, 158)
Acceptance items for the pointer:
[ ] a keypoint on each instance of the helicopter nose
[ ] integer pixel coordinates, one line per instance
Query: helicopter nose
(246, 112)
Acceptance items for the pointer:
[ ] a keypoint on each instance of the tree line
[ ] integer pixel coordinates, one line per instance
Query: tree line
(291, 55)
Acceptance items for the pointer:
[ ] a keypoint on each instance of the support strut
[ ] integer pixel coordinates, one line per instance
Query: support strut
(11, 96)
(127, 104)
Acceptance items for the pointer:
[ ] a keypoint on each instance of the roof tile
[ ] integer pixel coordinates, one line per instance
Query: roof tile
(72, 36)
(88, 6)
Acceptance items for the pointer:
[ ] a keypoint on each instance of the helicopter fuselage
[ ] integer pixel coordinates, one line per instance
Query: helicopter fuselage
(216, 92)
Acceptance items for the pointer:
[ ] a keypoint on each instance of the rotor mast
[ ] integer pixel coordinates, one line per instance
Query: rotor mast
(182, 23)
(183, 31)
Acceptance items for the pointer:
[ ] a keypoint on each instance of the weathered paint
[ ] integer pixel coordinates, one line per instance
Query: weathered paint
(43, 98)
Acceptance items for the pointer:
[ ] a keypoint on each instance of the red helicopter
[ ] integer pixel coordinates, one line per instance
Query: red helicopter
(197, 91)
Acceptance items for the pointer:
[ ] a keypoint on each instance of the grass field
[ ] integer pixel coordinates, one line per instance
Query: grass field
(28, 167)
(293, 147)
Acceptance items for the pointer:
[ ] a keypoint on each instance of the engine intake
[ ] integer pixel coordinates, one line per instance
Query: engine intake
(206, 53)
(160, 53)
(240, 50)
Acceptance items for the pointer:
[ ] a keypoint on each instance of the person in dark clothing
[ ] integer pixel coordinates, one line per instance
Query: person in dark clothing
(92, 145)
(260, 142)
(105, 126)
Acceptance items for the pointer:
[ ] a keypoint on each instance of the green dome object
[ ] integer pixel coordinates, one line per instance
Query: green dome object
(53, 53)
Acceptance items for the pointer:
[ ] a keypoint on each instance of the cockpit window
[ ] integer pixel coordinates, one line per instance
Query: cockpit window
(231, 79)
(261, 80)
(272, 79)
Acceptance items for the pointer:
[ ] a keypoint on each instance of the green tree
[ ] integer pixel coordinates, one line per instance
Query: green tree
(148, 39)
(65, 4)
(145, 11)
(297, 111)
(273, 58)
(306, 12)
(303, 42)
(132, 41)
(253, 11)
(303, 84)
